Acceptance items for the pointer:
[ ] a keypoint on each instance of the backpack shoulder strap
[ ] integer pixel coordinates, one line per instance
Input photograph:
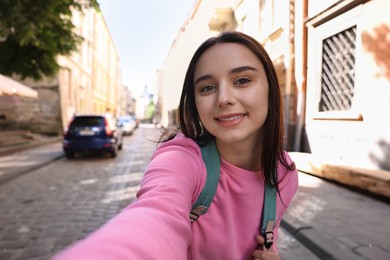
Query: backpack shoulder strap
(213, 165)
(268, 219)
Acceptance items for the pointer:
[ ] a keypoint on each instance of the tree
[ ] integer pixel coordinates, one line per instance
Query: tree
(149, 113)
(34, 32)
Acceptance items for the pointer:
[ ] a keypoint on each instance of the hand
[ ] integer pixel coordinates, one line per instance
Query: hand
(259, 254)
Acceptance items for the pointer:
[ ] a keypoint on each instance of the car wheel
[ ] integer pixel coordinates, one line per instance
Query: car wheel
(114, 153)
(69, 154)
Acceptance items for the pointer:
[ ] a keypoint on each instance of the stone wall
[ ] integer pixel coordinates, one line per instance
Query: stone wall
(47, 119)
(17, 112)
(39, 115)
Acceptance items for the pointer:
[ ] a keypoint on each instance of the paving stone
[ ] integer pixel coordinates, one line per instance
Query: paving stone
(372, 252)
(64, 240)
(34, 252)
(10, 236)
(292, 249)
(15, 244)
(5, 254)
(348, 242)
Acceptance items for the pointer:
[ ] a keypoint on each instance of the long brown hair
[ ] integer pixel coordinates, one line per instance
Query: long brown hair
(272, 143)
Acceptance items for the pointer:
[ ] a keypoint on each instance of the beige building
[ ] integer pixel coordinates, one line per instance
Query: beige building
(332, 60)
(89, 81)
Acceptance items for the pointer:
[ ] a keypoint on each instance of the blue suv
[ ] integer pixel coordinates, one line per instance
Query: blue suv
(93, 133)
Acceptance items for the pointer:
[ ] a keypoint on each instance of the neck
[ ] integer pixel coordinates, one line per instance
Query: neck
(244, 155)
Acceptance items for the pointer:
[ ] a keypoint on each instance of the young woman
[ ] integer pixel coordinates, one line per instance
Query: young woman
(230, 96)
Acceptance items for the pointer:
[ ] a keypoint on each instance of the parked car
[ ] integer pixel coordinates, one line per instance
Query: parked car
(93, 133)
(136, 121)
(128, 124)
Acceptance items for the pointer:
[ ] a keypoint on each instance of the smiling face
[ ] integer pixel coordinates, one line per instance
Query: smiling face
(231, 93)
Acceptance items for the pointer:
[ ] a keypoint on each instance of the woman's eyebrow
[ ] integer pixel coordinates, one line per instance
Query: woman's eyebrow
(241, 69)
(203, 77)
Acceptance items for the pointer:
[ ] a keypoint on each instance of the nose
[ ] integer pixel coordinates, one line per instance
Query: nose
(225, 95)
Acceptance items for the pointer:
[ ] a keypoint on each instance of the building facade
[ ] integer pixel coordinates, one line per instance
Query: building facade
(348, 82)
(89, 80)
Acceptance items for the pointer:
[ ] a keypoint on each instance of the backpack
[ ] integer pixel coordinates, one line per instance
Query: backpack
(213, 164)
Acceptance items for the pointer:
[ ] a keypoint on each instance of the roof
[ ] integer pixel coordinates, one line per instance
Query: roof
(9, 86)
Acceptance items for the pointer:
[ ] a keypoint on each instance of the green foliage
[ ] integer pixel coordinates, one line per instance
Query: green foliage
(34, 32)
(150, 110)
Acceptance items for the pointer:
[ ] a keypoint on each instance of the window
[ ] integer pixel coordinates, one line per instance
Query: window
(333, 66)
(338, 71)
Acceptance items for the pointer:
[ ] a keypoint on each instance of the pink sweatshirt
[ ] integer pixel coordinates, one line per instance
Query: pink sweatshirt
(157, 225)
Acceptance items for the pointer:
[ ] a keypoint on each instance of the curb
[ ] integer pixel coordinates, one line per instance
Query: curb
(17, 148)
(12, 175)
(323, 247)
(317, 249)
(375, 182)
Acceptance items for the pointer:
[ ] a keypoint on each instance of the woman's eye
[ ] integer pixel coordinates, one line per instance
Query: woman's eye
(242, 81)
(206, 89)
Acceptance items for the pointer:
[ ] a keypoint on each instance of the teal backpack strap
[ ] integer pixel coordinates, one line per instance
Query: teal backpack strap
(268, 220)
(213, 165)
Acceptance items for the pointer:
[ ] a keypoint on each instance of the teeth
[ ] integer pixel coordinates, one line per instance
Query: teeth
(230, 118)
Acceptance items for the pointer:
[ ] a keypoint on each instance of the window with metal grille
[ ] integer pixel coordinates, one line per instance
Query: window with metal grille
(338, 71)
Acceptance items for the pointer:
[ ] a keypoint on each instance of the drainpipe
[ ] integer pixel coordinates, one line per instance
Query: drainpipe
(301, 12)
(289, 65)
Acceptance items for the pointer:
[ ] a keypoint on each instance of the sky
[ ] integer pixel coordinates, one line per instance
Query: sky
(143, 32)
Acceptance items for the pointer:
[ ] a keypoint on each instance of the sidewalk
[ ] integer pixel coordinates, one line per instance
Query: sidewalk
(20, 159)
(330, 220)
(337, 223)
(36, 142)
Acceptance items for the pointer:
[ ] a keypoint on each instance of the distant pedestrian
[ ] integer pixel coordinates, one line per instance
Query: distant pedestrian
(230, 97)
